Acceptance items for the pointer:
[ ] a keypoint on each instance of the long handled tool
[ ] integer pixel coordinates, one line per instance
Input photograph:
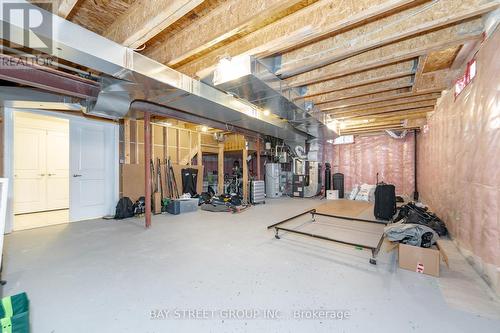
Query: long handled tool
(158, 177)
(175, 192)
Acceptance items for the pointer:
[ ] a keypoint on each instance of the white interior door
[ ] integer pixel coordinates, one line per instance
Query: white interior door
(30, 181)
(92, 163)
(57, 169)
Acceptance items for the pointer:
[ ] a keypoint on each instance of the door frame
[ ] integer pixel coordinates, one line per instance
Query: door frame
(9, 150)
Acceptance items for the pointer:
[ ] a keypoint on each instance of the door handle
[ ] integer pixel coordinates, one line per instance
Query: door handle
(77, 176)
(42, 175)
(51, 174)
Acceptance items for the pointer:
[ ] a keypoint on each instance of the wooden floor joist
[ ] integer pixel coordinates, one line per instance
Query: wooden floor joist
(369, 131)
(388, 100)
(353, 79)
(145, 19)
(369, 64)
(398, 83)
(393, 53)
(354, 84)
(239, 18)
(400, 114)
(356, 43)
(401, 88)
(313, 22)
(66, 7)
(383, 110)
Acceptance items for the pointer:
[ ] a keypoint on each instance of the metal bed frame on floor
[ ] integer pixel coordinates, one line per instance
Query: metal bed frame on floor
(313, 212)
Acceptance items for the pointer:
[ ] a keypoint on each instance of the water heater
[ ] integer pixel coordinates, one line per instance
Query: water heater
(273, 180)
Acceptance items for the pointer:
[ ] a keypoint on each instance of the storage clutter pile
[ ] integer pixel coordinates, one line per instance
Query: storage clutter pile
(221, 203)
(364, 192)
(416, 225)
(14, 314)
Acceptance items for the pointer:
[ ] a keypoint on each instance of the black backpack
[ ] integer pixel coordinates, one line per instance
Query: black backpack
(124, 208)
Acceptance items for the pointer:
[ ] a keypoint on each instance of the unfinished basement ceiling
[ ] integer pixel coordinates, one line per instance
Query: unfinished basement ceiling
(352, 59)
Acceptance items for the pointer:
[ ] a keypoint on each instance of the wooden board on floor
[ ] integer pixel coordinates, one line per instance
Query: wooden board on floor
(133, 181)
(350, 208)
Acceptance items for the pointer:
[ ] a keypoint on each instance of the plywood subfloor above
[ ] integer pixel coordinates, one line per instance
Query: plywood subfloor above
(97, 16)
(441, 59)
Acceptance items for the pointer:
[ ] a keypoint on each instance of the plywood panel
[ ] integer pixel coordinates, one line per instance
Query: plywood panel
(172, 137)
(349, 208)
(133, 181)
(183, 139)
(172, 153)
(158, 153)
(157, 135)
(184, 153)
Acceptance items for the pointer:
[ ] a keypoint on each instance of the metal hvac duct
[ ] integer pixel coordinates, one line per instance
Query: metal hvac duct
(131, 76)
(248, 78)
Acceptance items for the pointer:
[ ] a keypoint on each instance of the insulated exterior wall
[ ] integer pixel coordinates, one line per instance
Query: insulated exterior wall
(392, 158)
(459, 163)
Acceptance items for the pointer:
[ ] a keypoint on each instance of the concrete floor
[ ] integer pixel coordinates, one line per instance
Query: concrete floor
(107, 276)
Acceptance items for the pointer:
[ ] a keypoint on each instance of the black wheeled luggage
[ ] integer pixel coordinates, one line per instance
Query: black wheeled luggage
(385, 201)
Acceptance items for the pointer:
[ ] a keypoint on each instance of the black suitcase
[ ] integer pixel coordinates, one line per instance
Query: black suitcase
(385, 201)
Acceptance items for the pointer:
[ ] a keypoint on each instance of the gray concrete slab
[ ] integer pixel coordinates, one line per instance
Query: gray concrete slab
(107, 276)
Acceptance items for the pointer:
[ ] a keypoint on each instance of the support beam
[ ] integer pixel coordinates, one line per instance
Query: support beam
(220, 169)
(147, 169)
(178, 148)
(230, 20)
(165, 142)
(199, 155)
(146, 19)
(66, 7)
(23, 72)
(245, 171)
(383, 33)
(390, 54)
(310, 24)
(258, 158)
(126, 140)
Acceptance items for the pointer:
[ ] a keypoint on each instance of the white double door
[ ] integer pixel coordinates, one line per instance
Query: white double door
(74, 167)
(41, 165)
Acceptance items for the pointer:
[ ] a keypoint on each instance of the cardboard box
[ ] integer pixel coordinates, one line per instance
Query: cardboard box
(421, 260)
(332, 194)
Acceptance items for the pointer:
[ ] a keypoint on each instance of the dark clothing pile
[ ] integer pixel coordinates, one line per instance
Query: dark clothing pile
(415, 225)
(411, 213)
